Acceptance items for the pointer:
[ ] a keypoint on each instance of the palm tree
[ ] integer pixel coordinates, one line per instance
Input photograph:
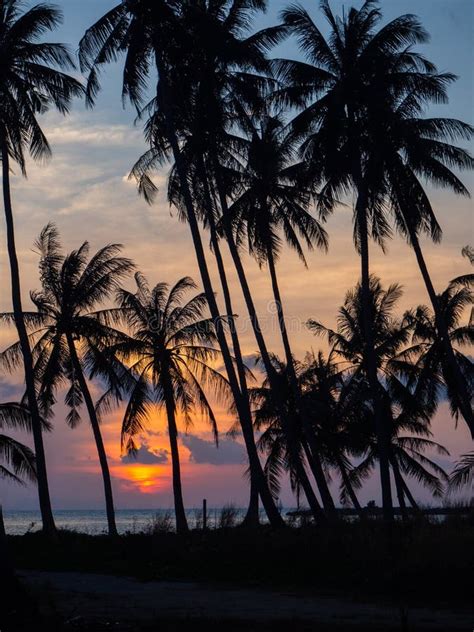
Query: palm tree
(335, 401)
(209, 145)
(271, 199)
(30, 84)
(359, 84)
(408, 393)
(171, 351)
(285, 451)
(155, 34)
(69, 339)
(429, 349)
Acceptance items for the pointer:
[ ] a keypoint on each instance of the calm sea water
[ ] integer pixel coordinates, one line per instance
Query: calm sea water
(95, 522)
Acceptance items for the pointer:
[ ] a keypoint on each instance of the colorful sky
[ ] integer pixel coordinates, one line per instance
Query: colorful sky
(85, 191)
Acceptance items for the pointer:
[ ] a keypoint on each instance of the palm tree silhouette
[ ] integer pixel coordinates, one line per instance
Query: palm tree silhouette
(209, 147)
(357, 84)
(284, 450)
(171, 351)
(407, 392)
(271, 199)
(334, 401)
(429, 349)
(69, 339)
(30, 84)
(158, 34)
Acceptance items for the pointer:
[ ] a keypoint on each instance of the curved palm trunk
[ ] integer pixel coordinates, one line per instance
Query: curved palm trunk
(43, 488)
(409, 495)
(399, 487)
(104, 466)
(181, 521)
(464, 399)
(252, 518)
(305, 482)
(315, 461)
(370, 359)
(244, 413)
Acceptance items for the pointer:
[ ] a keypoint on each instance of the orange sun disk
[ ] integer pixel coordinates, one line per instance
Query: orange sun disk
(147, 478)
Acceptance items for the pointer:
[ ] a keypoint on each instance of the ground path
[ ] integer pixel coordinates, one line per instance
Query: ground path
(107, 598)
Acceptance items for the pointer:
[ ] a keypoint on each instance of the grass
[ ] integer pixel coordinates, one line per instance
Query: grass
(423, 563)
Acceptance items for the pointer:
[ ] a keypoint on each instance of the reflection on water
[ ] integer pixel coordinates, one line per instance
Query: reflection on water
(95, 521)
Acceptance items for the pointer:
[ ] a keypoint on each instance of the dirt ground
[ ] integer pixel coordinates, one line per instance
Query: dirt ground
(120, 600)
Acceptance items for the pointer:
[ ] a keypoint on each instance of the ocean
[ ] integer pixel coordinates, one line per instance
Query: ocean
(94, 521)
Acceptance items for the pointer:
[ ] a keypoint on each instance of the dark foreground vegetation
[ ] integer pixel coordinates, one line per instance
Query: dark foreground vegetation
(419, 564)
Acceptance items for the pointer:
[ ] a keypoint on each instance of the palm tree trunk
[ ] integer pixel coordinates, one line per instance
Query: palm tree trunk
(43, 488)
(181, 521)
(305, 483)
(252, 516)
(370, 359)
(315, 460)
(409, 495)
(244, 413)
(104, 466)
(464, 400)
(399, 488)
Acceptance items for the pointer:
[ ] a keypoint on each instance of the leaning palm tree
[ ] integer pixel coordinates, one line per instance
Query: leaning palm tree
(70, 339)
(156, 34)
(271, 200)
(218, 98)
(171, 351)
(30, 84)
(364, 90)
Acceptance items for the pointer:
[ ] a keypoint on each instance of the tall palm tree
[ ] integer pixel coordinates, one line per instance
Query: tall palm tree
(209, 144)
(171, 351)
(271, 199)
(70, 339)
(31, 82)
(355, 84)
(154, 34)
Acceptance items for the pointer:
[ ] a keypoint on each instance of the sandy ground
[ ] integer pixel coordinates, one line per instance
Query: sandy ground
(121, 599)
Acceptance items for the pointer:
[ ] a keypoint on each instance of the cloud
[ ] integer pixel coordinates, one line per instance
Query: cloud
(10, 392)
(146, 456)
(229, 452)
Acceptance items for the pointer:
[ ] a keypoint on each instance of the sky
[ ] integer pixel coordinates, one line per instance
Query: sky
(85, 190)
